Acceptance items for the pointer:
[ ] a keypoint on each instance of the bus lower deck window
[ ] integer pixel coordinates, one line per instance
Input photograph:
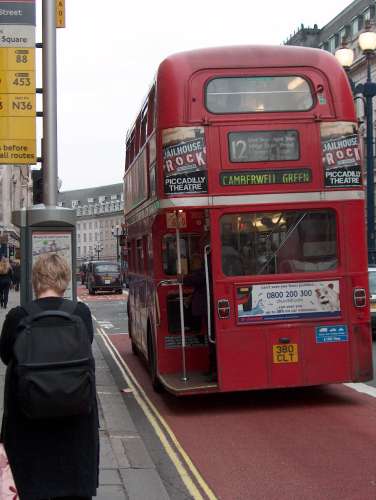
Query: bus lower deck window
(278, 242)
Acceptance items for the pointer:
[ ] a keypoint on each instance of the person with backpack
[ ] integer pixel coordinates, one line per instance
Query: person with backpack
(50, 427)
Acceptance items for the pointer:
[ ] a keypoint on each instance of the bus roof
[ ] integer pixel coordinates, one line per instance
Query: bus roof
(177, 70)
(257, 56)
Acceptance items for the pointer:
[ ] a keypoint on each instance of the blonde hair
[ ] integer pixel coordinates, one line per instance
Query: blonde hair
(4, 266)
(50, 271)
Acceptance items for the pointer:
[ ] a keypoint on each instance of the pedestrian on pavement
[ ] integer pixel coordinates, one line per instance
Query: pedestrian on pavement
(51, 458)
(5, 281)
(16, 275)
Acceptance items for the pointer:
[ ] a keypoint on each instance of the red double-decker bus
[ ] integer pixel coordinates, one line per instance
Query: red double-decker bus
(244, 211)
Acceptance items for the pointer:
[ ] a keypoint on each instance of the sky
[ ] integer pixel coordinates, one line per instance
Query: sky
(109, 53)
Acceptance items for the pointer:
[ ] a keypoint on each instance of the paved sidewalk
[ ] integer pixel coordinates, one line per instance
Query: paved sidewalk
(126, 469)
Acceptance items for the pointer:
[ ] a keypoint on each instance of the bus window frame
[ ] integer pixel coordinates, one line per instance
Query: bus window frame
(305, 78)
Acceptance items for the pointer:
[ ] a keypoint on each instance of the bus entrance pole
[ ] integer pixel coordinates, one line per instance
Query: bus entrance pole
(181, 298)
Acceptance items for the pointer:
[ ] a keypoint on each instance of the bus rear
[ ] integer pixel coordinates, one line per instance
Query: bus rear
(260, 176)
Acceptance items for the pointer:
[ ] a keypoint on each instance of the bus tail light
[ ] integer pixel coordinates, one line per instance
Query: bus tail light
(223, 307)
(360, 298)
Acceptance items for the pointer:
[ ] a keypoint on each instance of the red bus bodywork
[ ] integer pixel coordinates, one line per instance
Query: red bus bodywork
(316, 345)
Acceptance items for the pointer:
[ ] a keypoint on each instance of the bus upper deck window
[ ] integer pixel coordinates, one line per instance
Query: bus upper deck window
(255, 94)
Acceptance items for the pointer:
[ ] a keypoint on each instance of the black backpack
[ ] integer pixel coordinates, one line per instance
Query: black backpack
(54, 363)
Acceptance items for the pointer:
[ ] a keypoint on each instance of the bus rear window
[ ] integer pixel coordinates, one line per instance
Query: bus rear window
(295, 241)
(257, 94)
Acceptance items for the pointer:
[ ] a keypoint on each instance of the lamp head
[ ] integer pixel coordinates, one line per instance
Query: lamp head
(367, 39)
(345, 55)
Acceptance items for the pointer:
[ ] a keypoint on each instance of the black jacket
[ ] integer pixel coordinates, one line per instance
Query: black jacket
(6, 279)
(49, 458)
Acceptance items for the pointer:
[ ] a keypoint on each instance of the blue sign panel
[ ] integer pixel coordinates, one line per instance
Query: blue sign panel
(331, 333)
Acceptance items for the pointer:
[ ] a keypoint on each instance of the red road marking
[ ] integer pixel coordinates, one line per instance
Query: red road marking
(315, 443)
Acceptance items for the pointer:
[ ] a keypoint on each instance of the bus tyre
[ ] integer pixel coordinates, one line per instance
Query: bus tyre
(155, 382)
(133, 345)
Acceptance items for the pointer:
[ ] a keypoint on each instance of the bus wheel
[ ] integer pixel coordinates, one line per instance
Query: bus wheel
(133, 345)
(155, 382)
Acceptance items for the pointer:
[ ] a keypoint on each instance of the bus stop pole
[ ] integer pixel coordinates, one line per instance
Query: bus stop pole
(49, 153)
(181, 298)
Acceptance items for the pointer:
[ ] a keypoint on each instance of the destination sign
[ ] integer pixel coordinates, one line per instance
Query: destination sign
(17, 12)
(13, 82)
(17, 105)
(263, 145)
(17, 36)
(19, 59)
(266, 177)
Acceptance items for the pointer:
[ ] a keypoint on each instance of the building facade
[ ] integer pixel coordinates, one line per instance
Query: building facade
(99, 213)
(16, 192)
(344, 30)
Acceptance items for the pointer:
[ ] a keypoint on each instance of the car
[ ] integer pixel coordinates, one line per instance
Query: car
(372, 291)
(103, 276)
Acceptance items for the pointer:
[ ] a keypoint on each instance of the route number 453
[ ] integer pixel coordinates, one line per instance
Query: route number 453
(22, 81)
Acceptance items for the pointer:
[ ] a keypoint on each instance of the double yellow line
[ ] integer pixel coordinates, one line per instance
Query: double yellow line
(190, 476)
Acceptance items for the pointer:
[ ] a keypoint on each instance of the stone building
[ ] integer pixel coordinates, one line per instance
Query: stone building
(345, 27)
(99, 213)
(344, 30)
(16, 192)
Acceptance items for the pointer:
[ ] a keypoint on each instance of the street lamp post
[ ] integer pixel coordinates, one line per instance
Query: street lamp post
(98, 247)
(116, 233)
(367, 43)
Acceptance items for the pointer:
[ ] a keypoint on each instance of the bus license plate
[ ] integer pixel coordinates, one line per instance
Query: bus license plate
(107, 282)
(285, 353)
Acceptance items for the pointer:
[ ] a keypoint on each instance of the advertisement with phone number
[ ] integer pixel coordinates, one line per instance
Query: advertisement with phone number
(273, 301)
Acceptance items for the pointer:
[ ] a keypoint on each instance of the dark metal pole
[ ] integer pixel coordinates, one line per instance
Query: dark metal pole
(370, 173)
(117, 245)
(49, 103)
